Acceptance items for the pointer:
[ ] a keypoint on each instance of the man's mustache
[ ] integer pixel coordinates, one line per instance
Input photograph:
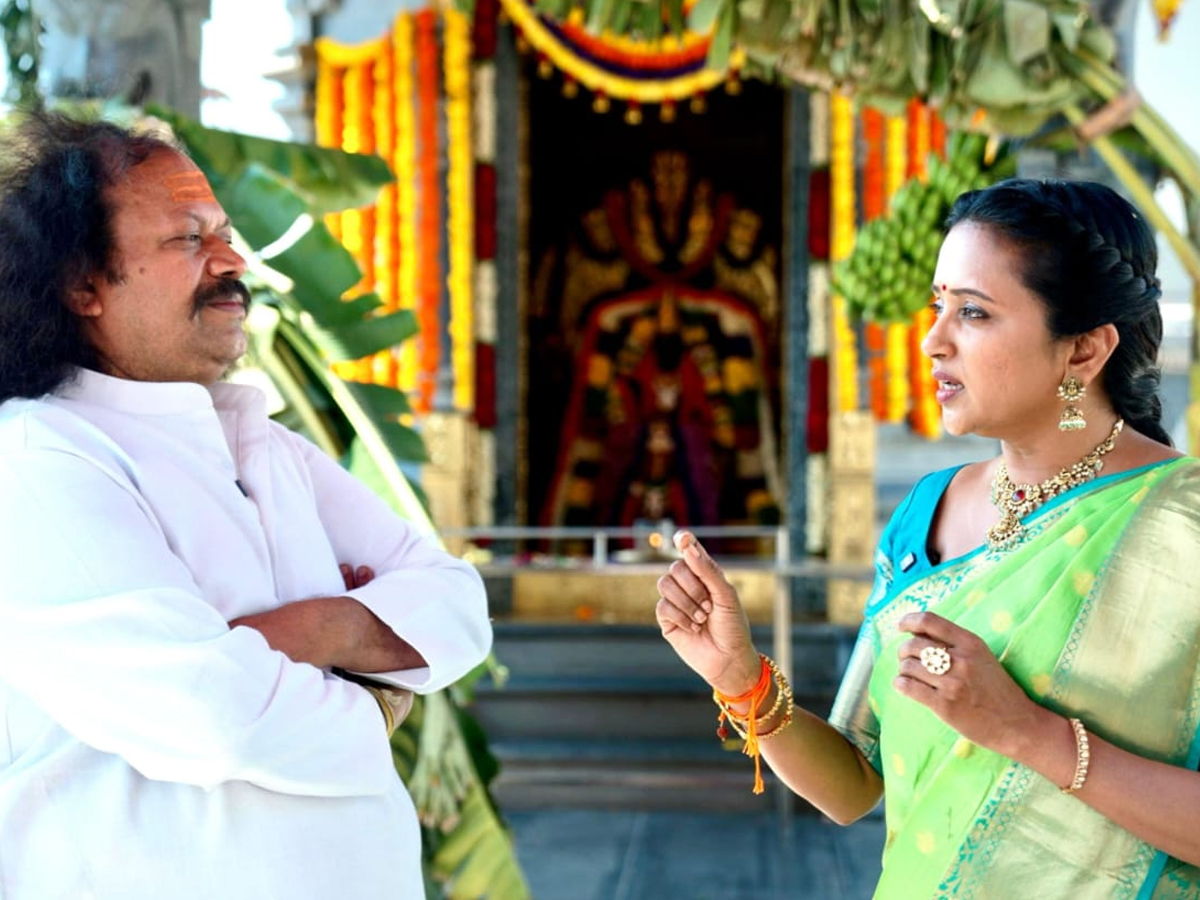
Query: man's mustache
(219, 290)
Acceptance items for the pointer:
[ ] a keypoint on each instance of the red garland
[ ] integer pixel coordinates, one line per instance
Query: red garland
(818, 213)
(650, 62)
(485, 211)
(818, 404)
(485, 385)
(483, 29)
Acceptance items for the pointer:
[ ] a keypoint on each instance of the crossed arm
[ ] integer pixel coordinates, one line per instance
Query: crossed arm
(336, 632)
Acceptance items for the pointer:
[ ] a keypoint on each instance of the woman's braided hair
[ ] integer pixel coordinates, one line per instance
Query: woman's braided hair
(1091, 258)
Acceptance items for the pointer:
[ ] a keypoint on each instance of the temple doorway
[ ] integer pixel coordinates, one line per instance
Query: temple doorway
(653, 321)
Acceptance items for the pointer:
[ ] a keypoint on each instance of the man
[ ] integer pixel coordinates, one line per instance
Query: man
(173, 618)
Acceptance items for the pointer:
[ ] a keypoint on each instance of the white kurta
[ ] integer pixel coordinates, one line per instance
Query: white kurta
(150, 751)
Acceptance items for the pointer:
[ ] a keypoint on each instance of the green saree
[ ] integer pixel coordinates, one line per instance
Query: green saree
(1096, 615)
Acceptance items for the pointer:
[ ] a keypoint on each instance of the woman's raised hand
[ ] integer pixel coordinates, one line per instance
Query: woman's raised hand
(701, 617)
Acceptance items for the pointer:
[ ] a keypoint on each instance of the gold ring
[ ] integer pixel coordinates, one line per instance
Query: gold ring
(936, 660)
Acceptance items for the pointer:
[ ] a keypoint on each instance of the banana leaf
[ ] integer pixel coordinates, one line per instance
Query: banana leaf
(327, 179)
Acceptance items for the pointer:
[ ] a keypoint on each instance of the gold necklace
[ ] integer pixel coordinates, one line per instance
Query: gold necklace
(1015, 501)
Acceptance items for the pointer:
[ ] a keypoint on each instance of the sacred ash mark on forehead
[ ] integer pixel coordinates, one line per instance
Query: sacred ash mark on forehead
(189, 187)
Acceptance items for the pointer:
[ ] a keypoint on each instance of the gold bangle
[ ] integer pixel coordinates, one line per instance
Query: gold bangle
(389, 720)
(783, 723)
(1083, 757)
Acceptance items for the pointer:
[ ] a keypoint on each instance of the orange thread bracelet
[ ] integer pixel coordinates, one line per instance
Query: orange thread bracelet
(755, 697)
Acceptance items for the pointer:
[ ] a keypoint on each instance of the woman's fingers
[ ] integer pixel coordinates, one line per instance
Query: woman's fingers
(671, 618)
(935, 628)
(684, 593)
(705, 569)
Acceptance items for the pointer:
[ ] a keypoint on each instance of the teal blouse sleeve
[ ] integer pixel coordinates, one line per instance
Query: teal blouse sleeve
(901, 557)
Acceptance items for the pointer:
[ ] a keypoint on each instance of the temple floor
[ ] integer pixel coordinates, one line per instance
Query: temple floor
(624, 855)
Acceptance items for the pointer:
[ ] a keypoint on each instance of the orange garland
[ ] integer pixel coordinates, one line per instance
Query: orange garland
(329, 119)
(874, 206)
(925, 417)
(383, 370)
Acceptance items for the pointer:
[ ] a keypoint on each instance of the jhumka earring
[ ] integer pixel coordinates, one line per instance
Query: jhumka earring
(1072, 391)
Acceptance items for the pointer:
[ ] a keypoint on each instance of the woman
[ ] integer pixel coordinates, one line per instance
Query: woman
(1026, 685)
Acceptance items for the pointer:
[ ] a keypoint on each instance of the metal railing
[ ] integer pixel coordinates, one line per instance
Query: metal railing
(658, 550)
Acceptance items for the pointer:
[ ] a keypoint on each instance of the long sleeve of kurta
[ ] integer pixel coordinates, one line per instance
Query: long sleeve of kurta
(432, 600)
(106, 630)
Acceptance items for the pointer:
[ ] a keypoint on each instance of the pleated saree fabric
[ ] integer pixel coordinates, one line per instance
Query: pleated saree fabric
(1096, 614)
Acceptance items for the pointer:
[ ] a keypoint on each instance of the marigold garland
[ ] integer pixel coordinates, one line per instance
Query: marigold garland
(386, 246)
(896, 338)
(404, 164)
(874, 206)
(358, 225)
(387, 96)
(925, 417)
(459, 183)
(329, 115)
(842, 222)
(618, 67)
(430, 247)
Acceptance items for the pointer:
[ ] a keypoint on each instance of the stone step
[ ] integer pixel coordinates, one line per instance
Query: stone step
(671, 774)
(608, 717)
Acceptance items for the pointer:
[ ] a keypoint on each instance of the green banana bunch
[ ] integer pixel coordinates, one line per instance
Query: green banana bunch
(887, 276)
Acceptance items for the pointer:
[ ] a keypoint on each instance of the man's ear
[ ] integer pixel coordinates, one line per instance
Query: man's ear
(83, 299)
(1092, 351)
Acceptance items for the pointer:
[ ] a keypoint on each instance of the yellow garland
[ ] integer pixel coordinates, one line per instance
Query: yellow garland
(460, 204)
(329, 120)
(596, 79)
(404, 164)
(842, 221)
(356, 230)
(349, 56)
(896, 336)
(668, 43)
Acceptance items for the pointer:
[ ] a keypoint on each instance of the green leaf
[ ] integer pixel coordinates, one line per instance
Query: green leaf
(1027, 30)
(1068, 26)
(354, 339)
(261, 203)
(918, 52)
(722, 41)
(329, 179)
(403, 443)
(322, 270)
(384, 403)
(703, 16)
